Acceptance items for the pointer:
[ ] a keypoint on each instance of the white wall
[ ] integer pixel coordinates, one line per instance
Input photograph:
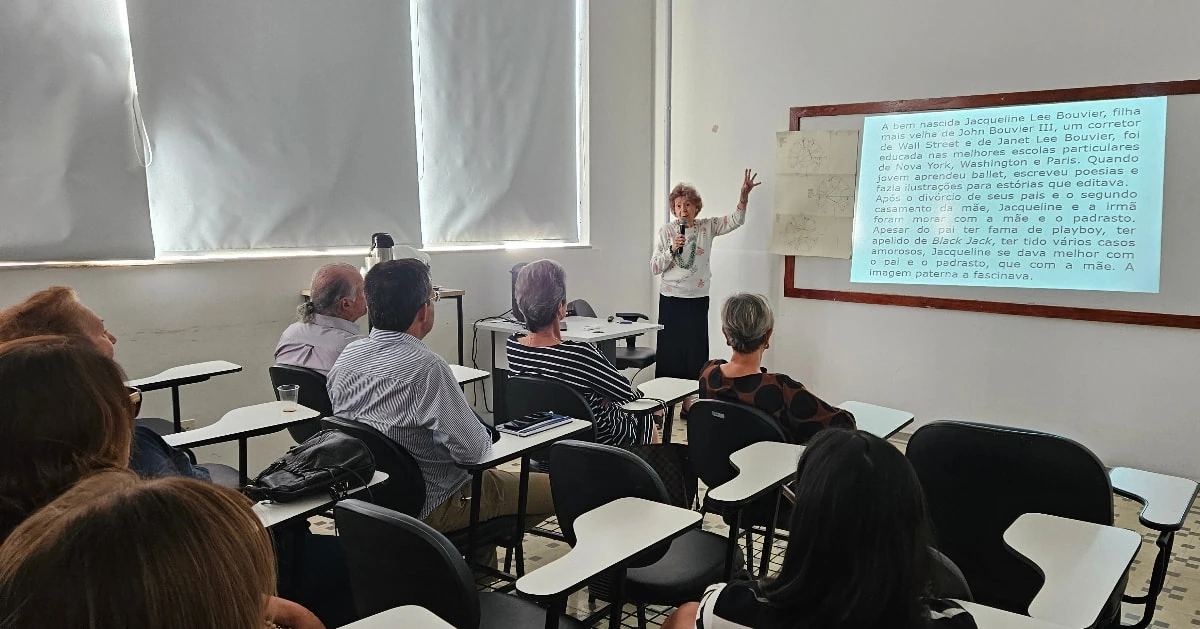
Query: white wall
(1127, 392)
(166, 315)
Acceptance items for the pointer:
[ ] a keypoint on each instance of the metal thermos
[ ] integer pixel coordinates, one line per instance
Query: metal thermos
(381, 249)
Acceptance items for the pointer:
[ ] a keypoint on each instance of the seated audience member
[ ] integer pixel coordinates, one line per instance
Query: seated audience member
(114, 552)
(57, 310)
(65, 413)
(327, 320)
(542, 297)
(392, 382)
(747, 322)
(858, 554)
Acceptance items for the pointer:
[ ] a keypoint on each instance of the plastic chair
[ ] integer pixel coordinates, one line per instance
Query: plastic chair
(313, 394)
(405, 490)
(717, 429)
(395, 559)
(978, 479)
(584, 476)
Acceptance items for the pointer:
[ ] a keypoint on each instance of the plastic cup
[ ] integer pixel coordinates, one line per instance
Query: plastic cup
(289, 394)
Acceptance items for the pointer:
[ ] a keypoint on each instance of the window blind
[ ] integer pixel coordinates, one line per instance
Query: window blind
(277, 123)
(497, 87)
(71, 184)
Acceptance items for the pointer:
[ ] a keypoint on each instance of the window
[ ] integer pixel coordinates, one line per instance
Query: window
(277, 124)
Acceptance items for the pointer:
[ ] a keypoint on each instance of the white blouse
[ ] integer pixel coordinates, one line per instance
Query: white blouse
(688, 275)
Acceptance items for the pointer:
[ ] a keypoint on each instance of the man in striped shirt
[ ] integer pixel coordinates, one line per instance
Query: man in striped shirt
(394, 383)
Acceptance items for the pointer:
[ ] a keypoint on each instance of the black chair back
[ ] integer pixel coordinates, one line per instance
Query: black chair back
(532, 394)
(395, 560)
(404, 490)
(313, 394)
(584, 476)
(580, 308)
(717, 429)
(979, 478)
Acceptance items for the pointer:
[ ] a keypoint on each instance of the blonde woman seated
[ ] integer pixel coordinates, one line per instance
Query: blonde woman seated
(115, 552)
(747, 322)
(542, 297)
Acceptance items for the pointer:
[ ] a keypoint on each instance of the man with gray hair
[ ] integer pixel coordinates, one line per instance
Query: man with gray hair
(327, 320)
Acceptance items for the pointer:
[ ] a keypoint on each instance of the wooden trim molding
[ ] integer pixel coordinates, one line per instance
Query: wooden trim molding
(1132, 90)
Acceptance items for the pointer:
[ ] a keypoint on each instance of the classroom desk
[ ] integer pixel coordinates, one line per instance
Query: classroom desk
(508, 448)
(880, 421)
(1081, 561)
(606, 537)
(406, 617)
(241, 424)
(669, 390)
(272, 513)
(600, 332)
(761, 468)
(176, 377)
(992, 618)
(446, 293)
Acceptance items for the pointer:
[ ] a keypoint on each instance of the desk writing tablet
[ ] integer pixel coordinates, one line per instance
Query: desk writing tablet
(1165, 499)
(467, 375)
(185, 374)
(761, 467)
(607, 536)
(1082, 563)
(880, 421)
(406, 617)
(992, 618)
(248, 421)
(669, 390)
(510, 447)
(272, 513)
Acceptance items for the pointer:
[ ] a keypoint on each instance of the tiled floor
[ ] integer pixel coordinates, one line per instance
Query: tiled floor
(1177, 607)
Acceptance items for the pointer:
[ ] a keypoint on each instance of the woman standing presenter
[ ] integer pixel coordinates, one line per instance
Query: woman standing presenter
(681, 256)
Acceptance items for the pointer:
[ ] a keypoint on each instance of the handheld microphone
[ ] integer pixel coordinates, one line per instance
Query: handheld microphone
(682, 229)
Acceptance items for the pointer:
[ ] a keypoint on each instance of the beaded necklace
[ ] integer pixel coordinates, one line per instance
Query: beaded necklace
(691, 257)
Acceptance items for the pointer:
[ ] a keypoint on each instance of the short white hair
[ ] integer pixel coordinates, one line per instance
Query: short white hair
(541, 290)
(746, 320)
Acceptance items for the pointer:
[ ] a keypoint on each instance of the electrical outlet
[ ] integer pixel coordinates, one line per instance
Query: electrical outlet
(187, 424)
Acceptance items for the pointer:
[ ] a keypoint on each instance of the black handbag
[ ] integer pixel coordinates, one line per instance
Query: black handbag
(328, 462)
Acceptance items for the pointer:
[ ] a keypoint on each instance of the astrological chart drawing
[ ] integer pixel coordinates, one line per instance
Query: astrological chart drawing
(817, 152)
(805, 235)
(817, 195)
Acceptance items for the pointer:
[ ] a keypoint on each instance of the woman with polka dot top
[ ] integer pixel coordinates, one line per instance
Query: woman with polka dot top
(681, 257)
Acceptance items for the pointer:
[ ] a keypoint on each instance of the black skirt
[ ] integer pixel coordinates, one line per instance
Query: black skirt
(683, 341)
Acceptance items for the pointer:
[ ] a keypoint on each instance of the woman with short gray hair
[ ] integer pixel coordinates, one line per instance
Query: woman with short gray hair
(541, 293)
(748, 324)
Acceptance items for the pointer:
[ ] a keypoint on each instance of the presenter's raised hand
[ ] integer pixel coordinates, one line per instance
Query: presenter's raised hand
(748, 184)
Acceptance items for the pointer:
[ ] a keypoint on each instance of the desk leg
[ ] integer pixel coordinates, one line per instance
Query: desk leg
(458, 300)
(557, 608)
(618, 602)
(764, 562)
(175, 412)
(473, 531)
(731, 550)
(242, 460)
(609, 349)
(499, 379)
(522, 508)
(668, 421)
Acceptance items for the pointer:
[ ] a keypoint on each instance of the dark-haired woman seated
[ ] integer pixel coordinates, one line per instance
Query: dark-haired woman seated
(858, 556)
(747, 322)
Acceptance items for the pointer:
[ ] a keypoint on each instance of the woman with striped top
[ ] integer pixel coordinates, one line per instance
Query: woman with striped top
(542, 297)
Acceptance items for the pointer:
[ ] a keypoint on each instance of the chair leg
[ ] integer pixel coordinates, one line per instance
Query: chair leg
(508, 555)
(641, 615)
(520, 559)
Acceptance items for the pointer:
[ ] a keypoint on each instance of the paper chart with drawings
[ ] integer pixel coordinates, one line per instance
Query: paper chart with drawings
(816, 152)
(815, 185)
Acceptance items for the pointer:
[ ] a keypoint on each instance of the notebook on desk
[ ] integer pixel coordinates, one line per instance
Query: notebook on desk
(533, 424)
